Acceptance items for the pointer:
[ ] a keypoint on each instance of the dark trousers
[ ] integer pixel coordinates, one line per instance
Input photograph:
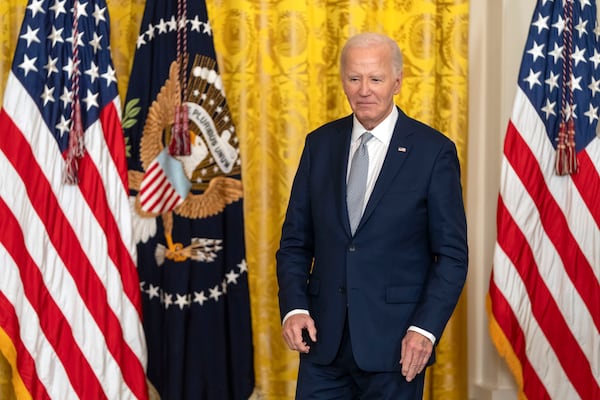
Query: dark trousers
(344, 380)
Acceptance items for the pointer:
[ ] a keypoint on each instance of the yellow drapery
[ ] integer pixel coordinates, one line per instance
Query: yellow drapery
(279, 60)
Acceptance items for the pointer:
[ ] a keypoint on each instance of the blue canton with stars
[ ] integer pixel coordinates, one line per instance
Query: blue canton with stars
(44, 62)
(541, 76)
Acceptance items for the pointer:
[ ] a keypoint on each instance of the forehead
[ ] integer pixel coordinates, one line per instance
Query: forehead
(373, 57)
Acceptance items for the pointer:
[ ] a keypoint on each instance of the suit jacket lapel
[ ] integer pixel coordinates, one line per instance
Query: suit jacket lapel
(398, 150)
(339, 158)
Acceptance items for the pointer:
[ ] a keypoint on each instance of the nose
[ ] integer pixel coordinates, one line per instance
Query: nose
(364, 89)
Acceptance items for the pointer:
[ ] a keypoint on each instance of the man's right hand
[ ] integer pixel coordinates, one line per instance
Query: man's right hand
(292, 332)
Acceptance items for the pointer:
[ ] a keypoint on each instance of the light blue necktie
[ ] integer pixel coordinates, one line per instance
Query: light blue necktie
(357, 181)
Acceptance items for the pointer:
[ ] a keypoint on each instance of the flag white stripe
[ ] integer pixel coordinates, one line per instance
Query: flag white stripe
(550, 267)
(580, 221)
(51, 373)
(539, 352)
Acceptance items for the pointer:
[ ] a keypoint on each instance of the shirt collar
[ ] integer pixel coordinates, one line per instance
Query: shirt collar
(383, 132)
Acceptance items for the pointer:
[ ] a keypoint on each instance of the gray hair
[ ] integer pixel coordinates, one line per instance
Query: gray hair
(369, 39)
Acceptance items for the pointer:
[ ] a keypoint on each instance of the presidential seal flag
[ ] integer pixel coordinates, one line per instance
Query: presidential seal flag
(70, 307)
(186, 193)
(545, 285)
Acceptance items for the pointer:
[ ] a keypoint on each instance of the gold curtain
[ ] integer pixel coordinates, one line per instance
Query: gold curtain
(279, 60)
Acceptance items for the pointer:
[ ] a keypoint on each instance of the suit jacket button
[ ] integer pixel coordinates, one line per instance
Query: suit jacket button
(342, 289)
(351, 248)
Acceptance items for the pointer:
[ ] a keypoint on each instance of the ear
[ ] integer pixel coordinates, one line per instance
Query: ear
(398, 83)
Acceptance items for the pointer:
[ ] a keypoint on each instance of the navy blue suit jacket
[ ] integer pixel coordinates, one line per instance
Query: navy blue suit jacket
(407, 262)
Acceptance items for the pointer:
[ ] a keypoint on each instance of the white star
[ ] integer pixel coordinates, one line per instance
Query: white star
(536, 51)
(48, 95)
(557, 52)
(63, 127)
(541, 23)
(559, 25)
(182, 301)
(69, 67)
(109, 76)
(91, 100)
(56, 36)
(578, 55)
(95, 42)
(200, 297)
(574, 83)
(93, 72)
(28, 64)
(207, 28)
(79, 39)
(243, 266)
(167, 300)
(51, 66)
(594, 86)
(153, 291)
(552, 81)
(99, 14)
(66, 97)
(59, 8)
(35, 7)
(569, 111)
(224, 287)
(592, 114)
(172, 24)
(162, 26)
(182, 23)
(548, 109)
(581, 27)
(81, 12)
(140, 41)
(585, 3)
(215, 293)
(232, 277)
(150, 32)
(595, 58)
(533, 79)
(195, 23)
(30, 36)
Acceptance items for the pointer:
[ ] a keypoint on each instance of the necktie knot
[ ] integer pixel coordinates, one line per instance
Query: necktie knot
(364, 138)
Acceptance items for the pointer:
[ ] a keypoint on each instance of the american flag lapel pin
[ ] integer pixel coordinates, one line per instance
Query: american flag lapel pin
(402, 149)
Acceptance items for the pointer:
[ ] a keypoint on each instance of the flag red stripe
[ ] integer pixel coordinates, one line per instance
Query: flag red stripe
(113, 136)
(52, 321)
(67, 245)
(506, 319)
(544, 308)
(587, 182)
(151, 193)
(575, 263)
(25, 364)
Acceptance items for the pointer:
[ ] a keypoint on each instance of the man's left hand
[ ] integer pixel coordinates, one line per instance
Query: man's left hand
(416, 350)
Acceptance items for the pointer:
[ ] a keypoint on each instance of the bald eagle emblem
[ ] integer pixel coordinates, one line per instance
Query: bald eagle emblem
(195, 185)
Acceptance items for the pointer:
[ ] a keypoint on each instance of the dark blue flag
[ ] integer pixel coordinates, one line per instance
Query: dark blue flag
(184, 173)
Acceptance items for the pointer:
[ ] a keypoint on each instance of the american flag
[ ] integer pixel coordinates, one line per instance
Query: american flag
(69, 291)
(544, 289)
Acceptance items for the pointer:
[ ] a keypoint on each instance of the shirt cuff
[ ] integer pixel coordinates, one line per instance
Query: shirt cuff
(423, 332)
(294, 312)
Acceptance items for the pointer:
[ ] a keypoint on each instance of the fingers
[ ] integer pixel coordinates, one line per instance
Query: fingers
(416, 350)
(293, 332)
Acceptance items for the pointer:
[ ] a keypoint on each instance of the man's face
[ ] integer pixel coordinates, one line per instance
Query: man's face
(370, 83)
